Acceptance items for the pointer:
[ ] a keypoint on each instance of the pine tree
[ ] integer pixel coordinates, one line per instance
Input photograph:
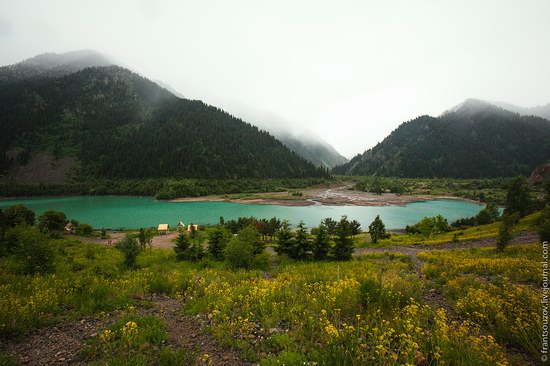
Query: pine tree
(217, 242)
(343, 244)
(302, 245)
(377, 230)
(182, 245)
(285, 239)
(321, 245)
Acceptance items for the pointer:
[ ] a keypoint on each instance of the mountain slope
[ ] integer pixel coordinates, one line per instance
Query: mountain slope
(313, 149)
(542, 111)
(118, 124)
(51, 65)
(473, 140)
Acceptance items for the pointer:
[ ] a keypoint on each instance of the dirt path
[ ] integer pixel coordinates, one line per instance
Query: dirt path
(159, 241)
(62, 343)
(188, 332)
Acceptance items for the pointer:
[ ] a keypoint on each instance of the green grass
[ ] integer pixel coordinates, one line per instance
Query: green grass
(527, 223)
(370, 310)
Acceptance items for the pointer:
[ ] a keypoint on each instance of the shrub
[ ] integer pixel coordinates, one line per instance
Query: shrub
(84, 229)
(505, 232)
(429, 226)
(239, 253)
(130, 249)
(52, 221)
(34, 251)
(487, 215)
(19, 215)
(251, 235)
(518, 198)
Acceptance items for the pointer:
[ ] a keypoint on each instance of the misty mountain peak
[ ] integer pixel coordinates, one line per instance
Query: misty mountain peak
(84, 58)
(52, 65)
(469, 106)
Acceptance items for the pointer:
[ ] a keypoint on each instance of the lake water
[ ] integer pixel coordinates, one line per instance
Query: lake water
(115, 212)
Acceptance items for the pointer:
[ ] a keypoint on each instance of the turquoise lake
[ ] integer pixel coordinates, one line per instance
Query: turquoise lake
(115, 212)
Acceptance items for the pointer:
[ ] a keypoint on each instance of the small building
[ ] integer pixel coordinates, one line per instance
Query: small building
(69, 229)
(192, 227)
(163, 228)
(181, 226)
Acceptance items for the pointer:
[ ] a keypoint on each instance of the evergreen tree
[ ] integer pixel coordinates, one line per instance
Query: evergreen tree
(321, 245)
(377, 230)
(218, 239)
(182, 245)
(330, 225)
(343, 244)
(355, 227)
(302, 245)
(285, 239)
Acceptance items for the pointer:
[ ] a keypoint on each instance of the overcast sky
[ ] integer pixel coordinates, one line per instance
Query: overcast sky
(351, 71)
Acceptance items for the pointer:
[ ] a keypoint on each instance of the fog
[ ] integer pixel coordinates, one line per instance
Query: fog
(349, 71)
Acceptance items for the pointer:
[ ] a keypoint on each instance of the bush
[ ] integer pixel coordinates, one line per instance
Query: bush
(239, 253)
(429, 226)
(34, 251)
(19, 215)
(505, 232)
(84, 229)
(52, 221)
(130, 249)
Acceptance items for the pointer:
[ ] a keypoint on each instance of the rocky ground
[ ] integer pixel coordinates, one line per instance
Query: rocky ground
(62, 344)
(335, 196)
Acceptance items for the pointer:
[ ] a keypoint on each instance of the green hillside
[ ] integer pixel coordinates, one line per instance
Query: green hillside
(120, 125)
(474, 140)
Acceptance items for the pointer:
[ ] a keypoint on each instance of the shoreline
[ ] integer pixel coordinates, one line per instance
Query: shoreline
(386, 199)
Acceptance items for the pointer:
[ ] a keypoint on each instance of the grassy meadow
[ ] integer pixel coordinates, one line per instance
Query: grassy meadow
(371, 310)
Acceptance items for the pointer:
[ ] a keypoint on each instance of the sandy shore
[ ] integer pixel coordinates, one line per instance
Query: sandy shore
(336, 196)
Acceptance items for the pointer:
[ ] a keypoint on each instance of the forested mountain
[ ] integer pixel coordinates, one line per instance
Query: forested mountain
(51, 65)
(542, 111)
(473, 140)
(312, 149)
(118, 124)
